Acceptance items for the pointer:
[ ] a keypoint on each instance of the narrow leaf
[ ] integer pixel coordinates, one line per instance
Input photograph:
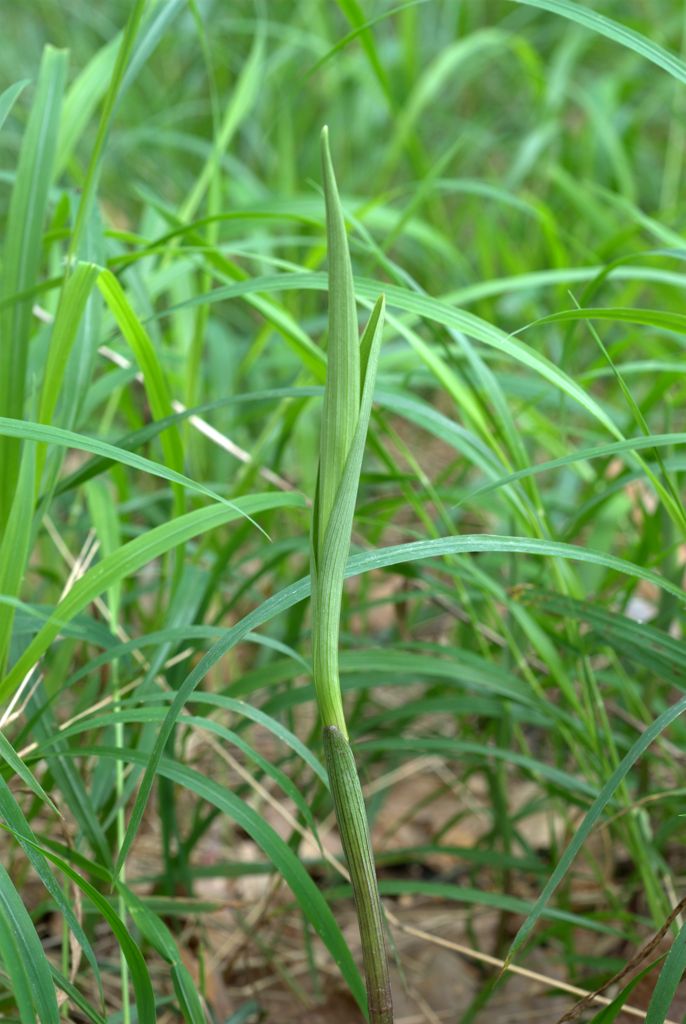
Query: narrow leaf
(19, 929)
(127, 560)
(668, 980)
(22, 253)
(340, 409)
(9, 97)
(280, 854)
(592, 816)
(614, 30)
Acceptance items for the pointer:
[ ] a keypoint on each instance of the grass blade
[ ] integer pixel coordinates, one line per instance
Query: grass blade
(160, 938)
(50, 435)
(15, 546)
(668, 980)
(304, 889)
(9, 97)
(115, 81)
(22, 253)
(146, 357)
(592, 816)
(140, 978)
(14, 819)
(615, 31)
(73, 298)
(126, 561)
(339, 414)
(27, 961)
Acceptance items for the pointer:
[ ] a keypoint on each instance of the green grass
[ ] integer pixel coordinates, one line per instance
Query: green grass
(511, 628)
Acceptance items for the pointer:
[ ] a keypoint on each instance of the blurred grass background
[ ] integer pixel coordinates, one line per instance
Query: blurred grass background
(499, 164)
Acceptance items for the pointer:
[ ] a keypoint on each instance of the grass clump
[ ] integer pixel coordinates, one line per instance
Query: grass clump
(477, 528)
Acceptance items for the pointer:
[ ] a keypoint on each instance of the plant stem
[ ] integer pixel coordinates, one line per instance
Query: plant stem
(354, 829)
(348, 394)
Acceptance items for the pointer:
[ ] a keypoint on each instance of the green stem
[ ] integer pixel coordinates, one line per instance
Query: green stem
(354, 829)
(122, 909)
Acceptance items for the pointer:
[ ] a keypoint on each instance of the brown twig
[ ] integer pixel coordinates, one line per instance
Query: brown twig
(643, 954)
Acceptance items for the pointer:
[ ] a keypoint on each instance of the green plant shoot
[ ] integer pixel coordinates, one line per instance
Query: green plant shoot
(351, 372)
